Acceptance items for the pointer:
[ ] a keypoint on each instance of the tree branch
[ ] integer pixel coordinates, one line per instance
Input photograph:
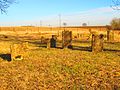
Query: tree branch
(116, 5)
(4, 4)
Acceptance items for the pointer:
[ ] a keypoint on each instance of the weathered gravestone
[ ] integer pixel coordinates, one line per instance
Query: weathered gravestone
(48, 43)
(67, 39)
(110, 35)
(45, 41)
(97, 42)
(53, 41)
(18, 50)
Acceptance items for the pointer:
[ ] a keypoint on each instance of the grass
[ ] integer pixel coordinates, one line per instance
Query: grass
(65, 69)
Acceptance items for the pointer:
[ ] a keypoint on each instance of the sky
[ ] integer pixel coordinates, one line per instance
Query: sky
(50, 12)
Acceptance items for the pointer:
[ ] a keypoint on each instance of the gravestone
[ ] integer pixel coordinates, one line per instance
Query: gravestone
(78, 35)
(67, 39)
(53, 41)
(110, 35)
(18, 50)
(48, 43)
(97, 42)
(42, 39)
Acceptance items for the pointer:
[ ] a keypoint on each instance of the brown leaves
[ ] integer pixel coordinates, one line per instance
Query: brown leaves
(55, 69)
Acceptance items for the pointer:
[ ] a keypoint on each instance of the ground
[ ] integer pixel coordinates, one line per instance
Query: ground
(61, 69)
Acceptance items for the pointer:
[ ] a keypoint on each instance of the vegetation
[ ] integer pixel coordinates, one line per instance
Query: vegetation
(115, 23)
(84, 24)
(65, 69)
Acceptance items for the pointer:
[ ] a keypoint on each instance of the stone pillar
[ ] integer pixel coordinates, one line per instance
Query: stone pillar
(110, 35)
(78, 35)
(97, 42)
(42, 39)
(67, 39)
(48, 43)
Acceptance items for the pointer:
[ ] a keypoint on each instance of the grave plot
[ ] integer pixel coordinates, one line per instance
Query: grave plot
(97, 42)
(18, 50)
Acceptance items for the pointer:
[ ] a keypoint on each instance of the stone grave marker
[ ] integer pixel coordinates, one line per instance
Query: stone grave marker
(48, 43)
(110, 35)
(97, 42)
(67, 39)
(53, 41)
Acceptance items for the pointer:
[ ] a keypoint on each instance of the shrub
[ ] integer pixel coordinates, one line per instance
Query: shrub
(115, 23)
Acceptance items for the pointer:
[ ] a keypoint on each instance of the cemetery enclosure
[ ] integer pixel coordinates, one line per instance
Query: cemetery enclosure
(82, 33)
(80, 38)
(44, 68)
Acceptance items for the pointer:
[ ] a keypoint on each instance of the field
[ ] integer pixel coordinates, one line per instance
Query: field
(36, 32)
(59, 69)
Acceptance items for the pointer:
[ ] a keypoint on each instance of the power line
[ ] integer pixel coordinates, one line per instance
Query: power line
(60, 20)
(40, 23)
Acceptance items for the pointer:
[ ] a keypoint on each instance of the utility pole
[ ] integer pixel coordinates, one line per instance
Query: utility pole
(40, 23)
(65, 24)
(88, 23)
(60, 20)
(59, 23)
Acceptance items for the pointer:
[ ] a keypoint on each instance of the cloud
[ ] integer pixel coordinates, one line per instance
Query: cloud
(98, 16)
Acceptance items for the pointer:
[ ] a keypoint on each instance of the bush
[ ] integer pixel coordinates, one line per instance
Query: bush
(115, 23)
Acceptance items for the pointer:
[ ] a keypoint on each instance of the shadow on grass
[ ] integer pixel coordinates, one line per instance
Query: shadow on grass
(112, 50)
(81, 48)
(78, 41)
(43, 45)
(6, 57)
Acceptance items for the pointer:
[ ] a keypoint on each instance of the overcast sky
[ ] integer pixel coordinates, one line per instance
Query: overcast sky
(46, 12)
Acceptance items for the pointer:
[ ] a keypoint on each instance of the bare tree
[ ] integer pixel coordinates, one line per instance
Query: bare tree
(4, 4)
(84, 24)
(116, 4)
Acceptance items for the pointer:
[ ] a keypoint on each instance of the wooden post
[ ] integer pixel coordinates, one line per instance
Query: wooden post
(67, 39)
(97, 42)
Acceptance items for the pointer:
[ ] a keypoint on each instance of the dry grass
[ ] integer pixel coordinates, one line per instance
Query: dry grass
(65, 69)
(37, 32)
